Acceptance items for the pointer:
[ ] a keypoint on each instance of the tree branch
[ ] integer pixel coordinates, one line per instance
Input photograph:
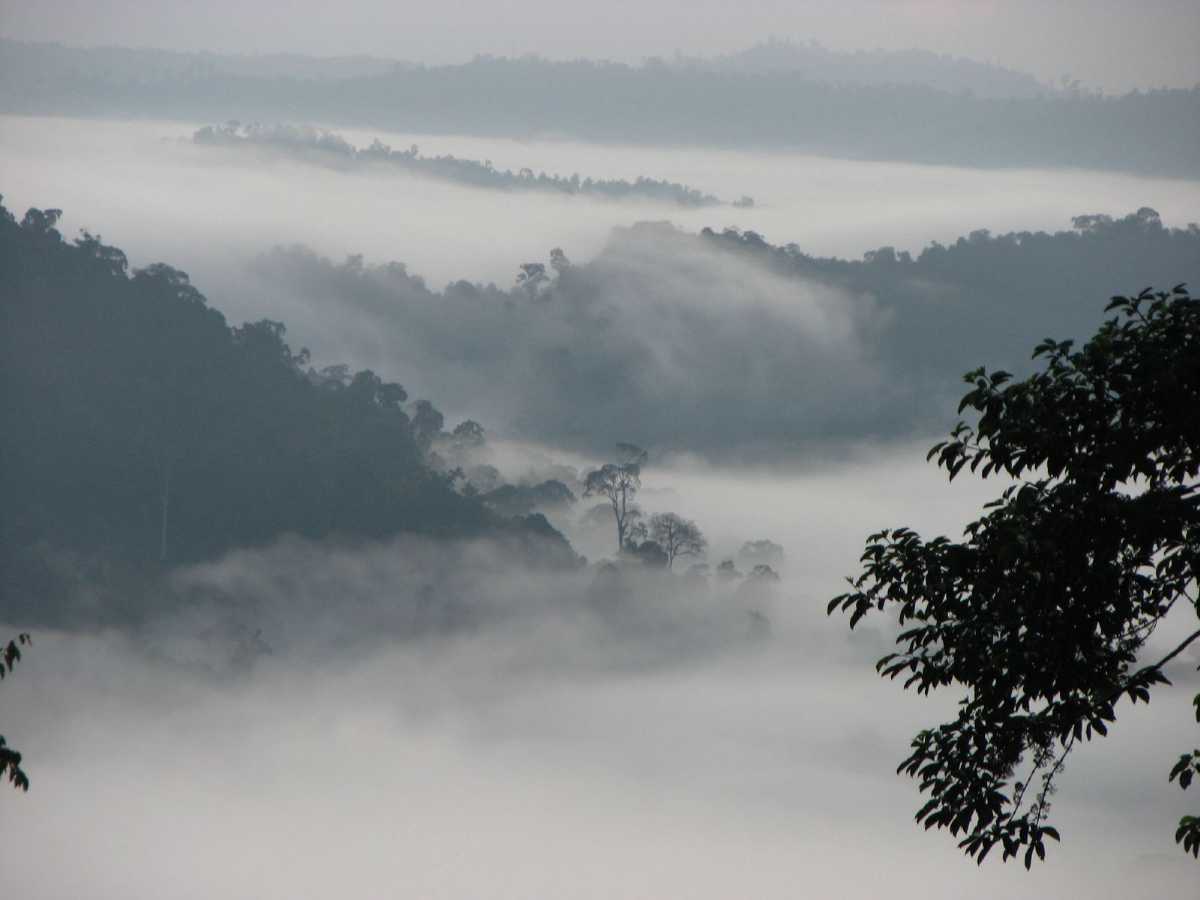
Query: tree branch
(1174, 653)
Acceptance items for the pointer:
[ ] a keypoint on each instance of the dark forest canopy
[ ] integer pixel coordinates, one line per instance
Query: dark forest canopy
(327, 147)
(139, 425)
(1155, 132)
(723, 344)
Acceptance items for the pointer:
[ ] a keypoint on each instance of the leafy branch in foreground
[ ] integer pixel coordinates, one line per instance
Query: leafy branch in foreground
(10, 759)
(1041, 612)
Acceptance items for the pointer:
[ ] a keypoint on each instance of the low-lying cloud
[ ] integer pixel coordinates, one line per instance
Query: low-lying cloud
(554, 746)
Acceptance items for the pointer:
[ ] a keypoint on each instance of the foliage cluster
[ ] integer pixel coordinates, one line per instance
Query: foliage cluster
(1041, 614)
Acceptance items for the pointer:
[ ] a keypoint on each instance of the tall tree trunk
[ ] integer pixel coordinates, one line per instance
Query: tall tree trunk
(619, 511)
(166, 509)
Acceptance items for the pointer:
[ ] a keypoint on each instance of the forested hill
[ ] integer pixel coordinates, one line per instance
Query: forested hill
(309, 144)
(1156, 132)
(986, 297)
(723, 344)
(138, 425)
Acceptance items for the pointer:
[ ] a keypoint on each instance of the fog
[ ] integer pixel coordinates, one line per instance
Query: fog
(467, 713)
(650, 344)
(207, 212)
(559, 744)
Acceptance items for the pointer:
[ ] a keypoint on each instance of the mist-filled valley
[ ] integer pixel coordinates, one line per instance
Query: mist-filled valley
(433, 480)
(309, 729)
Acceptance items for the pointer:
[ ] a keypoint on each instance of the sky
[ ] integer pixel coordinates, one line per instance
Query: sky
(1114, 45)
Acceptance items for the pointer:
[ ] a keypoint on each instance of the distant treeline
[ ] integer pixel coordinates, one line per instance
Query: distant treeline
(139, 425)
(326, 146)
(1154, 132)
(987, 298)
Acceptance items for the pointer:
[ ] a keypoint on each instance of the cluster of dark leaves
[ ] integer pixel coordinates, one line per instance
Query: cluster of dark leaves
(10, 759)
(1039, 614)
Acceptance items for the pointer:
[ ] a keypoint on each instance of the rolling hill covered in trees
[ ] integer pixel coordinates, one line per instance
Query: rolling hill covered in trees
(141, 426)
(722, 343)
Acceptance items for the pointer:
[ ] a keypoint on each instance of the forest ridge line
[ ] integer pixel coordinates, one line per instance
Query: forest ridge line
(1149, 133)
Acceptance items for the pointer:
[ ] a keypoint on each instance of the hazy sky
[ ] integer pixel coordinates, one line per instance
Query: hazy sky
(1113, 44)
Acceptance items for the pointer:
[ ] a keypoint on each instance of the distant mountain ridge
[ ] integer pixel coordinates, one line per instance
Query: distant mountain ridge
(812, 60)
(1148, 133)
(816, 62)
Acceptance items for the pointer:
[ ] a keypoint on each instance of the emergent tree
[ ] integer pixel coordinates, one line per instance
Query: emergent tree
(619, 482)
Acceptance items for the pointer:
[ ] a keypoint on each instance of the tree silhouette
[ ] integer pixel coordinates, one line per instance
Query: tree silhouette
(533, 278)
(469, 434)
(1041, 611)
(677, 536)
(619, 482)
